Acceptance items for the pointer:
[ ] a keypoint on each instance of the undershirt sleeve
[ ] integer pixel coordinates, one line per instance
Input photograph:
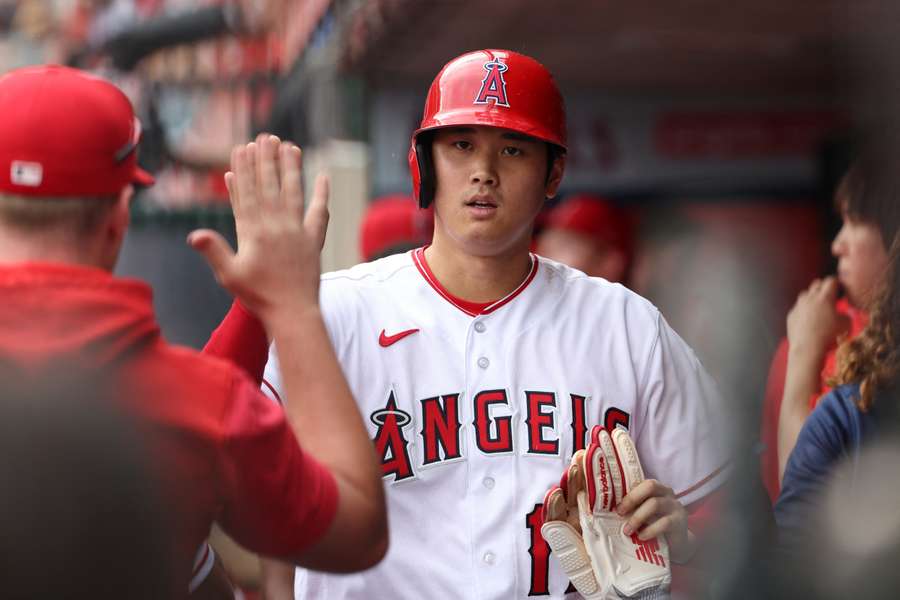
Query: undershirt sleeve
(240, 338)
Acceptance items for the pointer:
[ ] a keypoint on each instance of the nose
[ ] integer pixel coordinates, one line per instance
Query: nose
(484, 171)
(839, 245)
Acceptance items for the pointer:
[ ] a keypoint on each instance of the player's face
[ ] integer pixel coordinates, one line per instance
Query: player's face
(583, 253)
(862, 260)
(491, 184)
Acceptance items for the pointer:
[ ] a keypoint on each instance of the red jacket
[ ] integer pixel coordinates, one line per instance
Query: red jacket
(223, 451)
(768, 431)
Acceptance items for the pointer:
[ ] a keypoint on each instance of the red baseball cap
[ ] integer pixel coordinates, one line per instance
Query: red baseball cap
(596, 218)
(66, 133)
(392, 221)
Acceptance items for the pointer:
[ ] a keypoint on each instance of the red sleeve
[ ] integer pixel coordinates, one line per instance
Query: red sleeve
(277, 499)
(241, 338)
(768, 430)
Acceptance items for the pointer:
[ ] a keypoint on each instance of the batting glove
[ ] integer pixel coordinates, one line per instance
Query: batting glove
(585, 533)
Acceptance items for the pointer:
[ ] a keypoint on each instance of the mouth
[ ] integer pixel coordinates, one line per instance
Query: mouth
(483, 202)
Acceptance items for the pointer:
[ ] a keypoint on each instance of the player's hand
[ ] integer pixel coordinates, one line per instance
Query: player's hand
(277, 263)
(652, 510)
(814, 324)
(587, 535)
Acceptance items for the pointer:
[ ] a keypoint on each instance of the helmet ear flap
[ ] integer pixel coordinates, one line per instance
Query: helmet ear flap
(425, 164)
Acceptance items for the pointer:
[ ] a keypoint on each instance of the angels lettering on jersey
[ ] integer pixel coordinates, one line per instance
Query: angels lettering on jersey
(438, 427)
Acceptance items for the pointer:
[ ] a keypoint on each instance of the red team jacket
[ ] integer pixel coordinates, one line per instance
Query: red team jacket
(222, 450)
(768, 431)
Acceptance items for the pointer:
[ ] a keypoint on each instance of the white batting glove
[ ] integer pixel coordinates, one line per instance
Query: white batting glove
(585, 533)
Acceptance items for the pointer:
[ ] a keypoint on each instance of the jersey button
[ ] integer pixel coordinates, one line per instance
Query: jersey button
(489, 558)
(488, 483)
(480, 327)
(483, 362)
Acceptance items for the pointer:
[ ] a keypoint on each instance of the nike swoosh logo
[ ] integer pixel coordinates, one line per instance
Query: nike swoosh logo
(387, 340)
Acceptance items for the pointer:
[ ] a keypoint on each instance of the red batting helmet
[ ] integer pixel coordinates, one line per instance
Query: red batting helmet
(496, 88)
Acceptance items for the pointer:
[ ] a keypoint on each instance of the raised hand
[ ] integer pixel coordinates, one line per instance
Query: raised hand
(277, 264)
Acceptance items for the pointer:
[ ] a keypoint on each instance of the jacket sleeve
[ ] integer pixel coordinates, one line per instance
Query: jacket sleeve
(278, 499)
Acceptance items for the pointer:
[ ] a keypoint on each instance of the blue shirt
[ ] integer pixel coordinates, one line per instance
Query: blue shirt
(835, 431)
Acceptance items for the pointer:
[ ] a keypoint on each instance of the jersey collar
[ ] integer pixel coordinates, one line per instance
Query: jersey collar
(473, 309)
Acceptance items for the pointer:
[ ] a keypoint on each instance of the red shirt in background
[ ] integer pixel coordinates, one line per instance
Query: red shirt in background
(775, 391)
(222, 451)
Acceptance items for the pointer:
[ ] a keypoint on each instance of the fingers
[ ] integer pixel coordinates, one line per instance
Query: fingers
(657, 526)
(291, 159)
(267, 179)
(646, 511)
(574, 481)
(632, 472)
(555, 506)
(243, 167)
(641, 494)
(824, 288)
(316, 220)
(231, 186)
(601, 436)
(569, 549)
(215, 250)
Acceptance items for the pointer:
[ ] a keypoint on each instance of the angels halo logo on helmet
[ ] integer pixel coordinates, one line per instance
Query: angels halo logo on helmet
(493, 86)
(468, 92)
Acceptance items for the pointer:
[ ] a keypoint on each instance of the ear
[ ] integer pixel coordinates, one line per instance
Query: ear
(556, 175)
(121, 213)
(118, 219)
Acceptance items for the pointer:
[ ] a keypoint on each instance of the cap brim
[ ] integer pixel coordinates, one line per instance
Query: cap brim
(142, 178)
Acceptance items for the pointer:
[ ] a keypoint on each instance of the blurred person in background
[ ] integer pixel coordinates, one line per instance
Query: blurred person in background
(861, 410)
(869, 204)
(393, 224)
(210, 433)
(591, 234)
(80, 511)
(855, 557)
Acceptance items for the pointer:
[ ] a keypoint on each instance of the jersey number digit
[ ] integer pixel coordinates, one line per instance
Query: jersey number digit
(540, 555)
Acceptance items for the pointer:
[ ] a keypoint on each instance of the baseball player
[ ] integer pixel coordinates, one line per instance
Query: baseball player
(393, 224)
(481, 368)
(591, 234)
(65, 188)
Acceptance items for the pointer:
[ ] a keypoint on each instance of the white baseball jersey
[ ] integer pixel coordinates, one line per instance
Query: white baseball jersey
(475, 415)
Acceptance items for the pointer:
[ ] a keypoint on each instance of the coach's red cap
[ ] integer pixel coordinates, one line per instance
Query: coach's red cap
(66, 133)
(596, 218)
(393, 221)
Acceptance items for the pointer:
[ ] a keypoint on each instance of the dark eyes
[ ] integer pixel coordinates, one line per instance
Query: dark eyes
(507, 151)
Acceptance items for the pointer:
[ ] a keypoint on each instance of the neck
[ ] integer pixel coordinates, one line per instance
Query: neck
(18, 247)
(478, 278)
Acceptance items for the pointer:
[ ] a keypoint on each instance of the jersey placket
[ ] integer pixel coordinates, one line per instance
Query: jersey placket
(491, 452)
